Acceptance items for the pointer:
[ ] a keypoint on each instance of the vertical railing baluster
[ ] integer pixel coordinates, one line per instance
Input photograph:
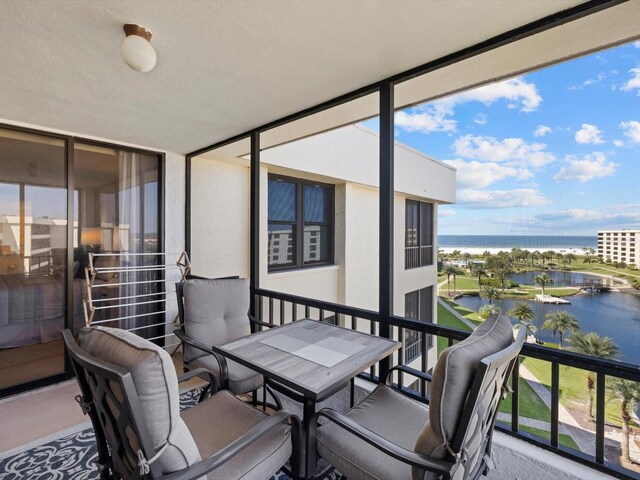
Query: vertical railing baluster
(401, 357)
(372, 331)
(600, 408)
(321, 316)
(555, 402)
(423, 362)
(306, 311)
(294, 312)
(271, 311)
(354, 323)
(449, 341)
(281, 312)
(515, 397)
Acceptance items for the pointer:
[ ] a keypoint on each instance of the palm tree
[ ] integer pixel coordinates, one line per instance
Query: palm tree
(548, 255)
(487, 310)
(479, 271)
(629, 394)
(486, 253)
(592, 344)
(523, 312)
(570, 257)
(559, 322)
(543, 280)
(503, 275)
(449, 270)
(490, 293)
(455, 273)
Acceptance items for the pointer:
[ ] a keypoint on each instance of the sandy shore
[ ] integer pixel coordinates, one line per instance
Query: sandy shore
(493, 251)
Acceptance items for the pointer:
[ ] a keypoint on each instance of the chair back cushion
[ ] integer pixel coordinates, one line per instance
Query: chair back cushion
(215, 312)
(156, 384)
(452, 378)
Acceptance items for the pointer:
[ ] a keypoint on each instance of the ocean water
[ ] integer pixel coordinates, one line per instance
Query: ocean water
(528, 242)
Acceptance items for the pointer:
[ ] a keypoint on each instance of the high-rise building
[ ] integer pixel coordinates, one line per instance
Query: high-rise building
(620, 246)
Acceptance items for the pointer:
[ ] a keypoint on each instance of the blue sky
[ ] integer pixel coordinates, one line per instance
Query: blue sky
(552, 152)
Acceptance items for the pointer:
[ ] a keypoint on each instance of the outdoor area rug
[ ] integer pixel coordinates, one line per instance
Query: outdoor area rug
(71, 457)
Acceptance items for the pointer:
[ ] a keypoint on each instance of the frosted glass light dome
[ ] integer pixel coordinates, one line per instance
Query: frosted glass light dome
(136, 50)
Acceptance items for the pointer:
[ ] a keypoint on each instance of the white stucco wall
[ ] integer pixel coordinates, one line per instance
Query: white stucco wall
(219, 218)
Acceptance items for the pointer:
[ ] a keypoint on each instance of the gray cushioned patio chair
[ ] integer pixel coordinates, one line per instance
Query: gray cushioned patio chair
(450, 438)
(215, 312)
(130, 391)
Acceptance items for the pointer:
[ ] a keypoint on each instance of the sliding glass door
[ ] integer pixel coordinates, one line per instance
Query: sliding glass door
(33, 249)
(115, 207)
(117, 221)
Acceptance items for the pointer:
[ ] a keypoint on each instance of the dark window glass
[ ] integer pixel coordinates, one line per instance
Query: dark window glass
(314, 203)
(418, 234)
(418, 305)
(411, 231)
(300, 223)
(282, 201)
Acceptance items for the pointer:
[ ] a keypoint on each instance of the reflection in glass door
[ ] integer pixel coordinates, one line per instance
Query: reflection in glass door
(33, 246)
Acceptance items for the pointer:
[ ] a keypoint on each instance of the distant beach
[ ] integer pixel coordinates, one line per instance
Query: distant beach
(478, 244)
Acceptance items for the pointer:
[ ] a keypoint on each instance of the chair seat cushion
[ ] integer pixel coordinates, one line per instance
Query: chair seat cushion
(387, 413)
(221, 419)
(156, 384)
(241, 378)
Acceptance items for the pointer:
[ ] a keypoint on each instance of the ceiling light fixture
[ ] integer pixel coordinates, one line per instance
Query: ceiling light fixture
(136, 49)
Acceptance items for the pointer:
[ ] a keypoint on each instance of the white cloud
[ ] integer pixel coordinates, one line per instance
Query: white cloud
(589, 134)
(594, 165)
(589, 81)
(480, 119)
(594, 219)
(618, 143)
(634, 81)
(517, 90)
(426, 120)
(476, 174)
(490, 199)
(636, 44)
(632, 130)
(445, 213)
(541, 131)
(438, 116)
(513, 151)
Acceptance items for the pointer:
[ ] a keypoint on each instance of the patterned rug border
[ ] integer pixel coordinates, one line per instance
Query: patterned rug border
(69, 454)
(44, 440)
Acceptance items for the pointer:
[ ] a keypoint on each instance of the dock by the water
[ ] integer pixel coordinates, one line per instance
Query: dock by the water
(549, 299)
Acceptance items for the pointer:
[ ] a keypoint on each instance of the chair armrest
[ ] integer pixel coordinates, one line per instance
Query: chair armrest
(399, 453)
(253, 320)
(208, 464)
(213, 380)
(411, 371)
(222, 362)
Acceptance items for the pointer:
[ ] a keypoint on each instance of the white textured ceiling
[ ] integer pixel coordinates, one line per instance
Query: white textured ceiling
(224, 67)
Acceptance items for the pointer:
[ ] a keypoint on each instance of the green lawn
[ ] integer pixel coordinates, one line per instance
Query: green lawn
(531, 405)
(448, 319)
(565, 440)
(573, 388)
(464, 311)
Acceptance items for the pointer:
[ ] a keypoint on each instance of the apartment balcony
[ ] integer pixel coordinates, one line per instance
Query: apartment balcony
(248, 98)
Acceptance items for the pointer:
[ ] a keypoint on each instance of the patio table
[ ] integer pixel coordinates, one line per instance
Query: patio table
(308, 357)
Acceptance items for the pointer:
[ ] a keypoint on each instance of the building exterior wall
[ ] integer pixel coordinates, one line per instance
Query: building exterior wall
(620, 246)
(348, 159)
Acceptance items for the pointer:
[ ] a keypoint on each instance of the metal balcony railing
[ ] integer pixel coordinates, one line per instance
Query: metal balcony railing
(415, 257)
(279, 308)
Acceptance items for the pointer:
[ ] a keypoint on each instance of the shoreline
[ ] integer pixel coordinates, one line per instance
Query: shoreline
(494, 250)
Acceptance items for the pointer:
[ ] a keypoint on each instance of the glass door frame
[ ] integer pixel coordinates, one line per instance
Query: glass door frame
(69, 173)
